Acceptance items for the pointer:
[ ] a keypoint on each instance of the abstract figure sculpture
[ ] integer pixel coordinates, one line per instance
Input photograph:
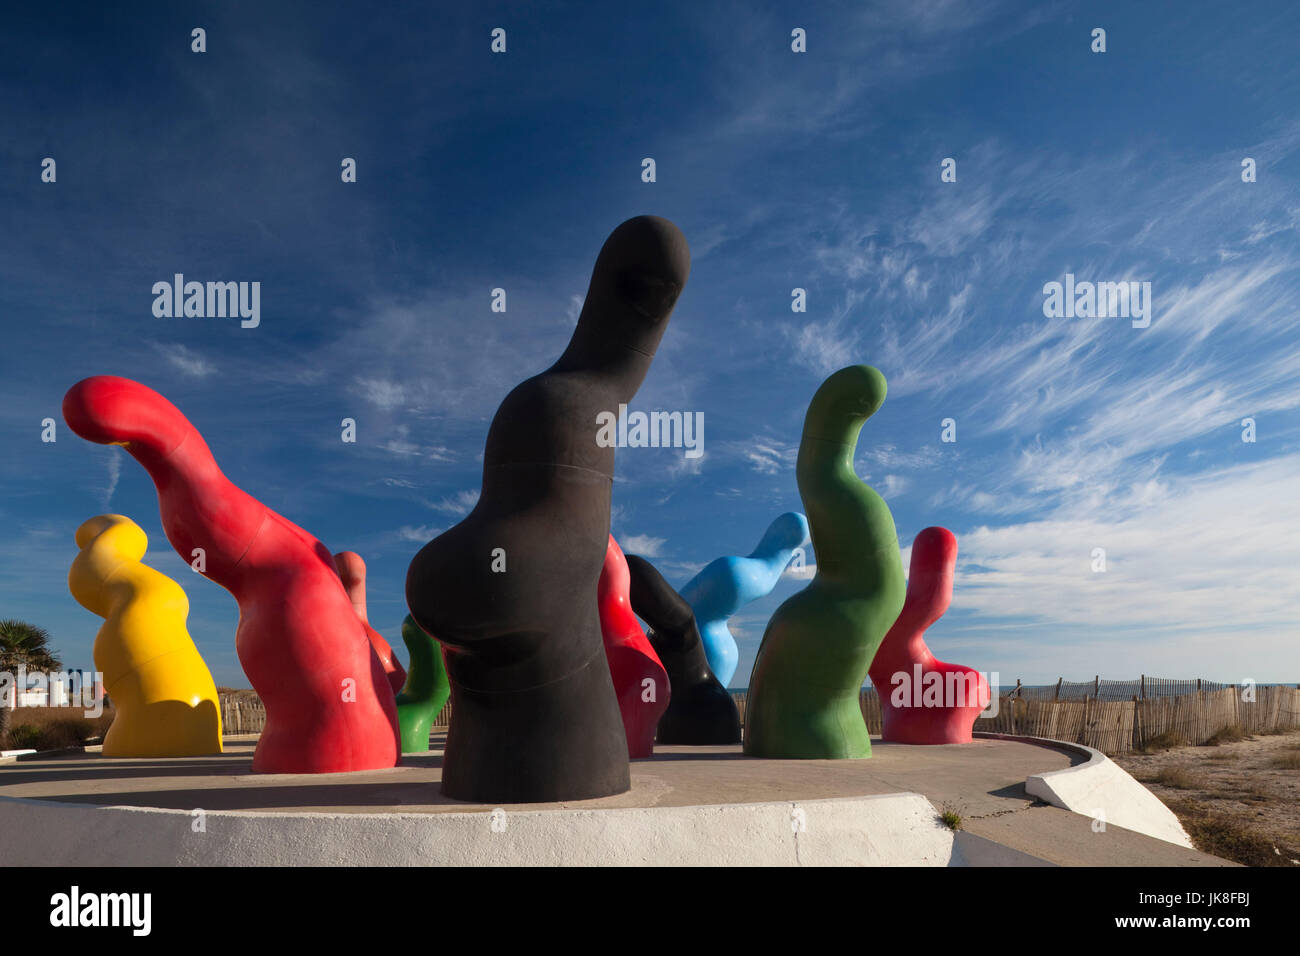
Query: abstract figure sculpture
(924, 700)
(426, 690)
(701, 711)
(165, 699)
(329, 706)
(640, 681)
(510, 592)
(352, 572)
(728, 584)
(807, 680)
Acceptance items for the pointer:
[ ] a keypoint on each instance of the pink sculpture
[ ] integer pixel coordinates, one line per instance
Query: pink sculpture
(640, 680)
(924, 700)
(329, 706)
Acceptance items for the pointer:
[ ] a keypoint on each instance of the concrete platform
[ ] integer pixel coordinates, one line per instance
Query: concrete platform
(687, 805)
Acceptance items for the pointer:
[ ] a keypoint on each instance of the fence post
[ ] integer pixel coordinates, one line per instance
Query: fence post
(1096, 686)
(1057, 696)
(1143, 689)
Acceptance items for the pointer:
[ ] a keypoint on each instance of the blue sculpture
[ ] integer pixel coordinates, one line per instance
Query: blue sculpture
(728, 584)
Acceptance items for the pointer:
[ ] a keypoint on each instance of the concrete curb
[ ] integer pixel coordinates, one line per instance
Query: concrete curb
(900, 829)
(16, 756)
(1099, 788)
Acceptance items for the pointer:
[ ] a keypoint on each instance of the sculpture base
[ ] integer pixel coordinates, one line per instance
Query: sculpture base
(687, 806)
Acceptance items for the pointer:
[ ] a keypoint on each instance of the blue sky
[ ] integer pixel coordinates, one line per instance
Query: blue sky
(818, 170)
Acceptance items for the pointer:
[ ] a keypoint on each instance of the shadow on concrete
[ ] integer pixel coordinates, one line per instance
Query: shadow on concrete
(389, 797)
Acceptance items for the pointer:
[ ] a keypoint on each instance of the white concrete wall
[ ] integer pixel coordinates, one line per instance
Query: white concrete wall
(886, 830)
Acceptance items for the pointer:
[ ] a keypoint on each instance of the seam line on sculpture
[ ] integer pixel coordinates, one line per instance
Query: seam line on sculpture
(136, 667)
(520, 690)
(552, 464)
(266, 512)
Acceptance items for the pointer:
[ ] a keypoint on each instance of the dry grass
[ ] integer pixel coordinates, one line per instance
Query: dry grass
(1229, 837)
(52, 728)
(1166, 741)
(1177, 778)
(1239, 800)
(1227, 735)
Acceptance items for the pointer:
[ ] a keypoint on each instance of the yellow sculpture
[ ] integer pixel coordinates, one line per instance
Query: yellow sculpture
(164, 695)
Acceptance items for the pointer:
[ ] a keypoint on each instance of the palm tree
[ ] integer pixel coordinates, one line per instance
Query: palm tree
(26, 645)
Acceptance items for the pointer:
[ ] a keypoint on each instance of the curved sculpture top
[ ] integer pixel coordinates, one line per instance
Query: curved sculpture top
(924, 700)
(701, 711)
(352, 572)
(426, 690)
(805, 689)
(511, 590)
(329, 706)
(639, 678)
(728, 584)
(162, 691)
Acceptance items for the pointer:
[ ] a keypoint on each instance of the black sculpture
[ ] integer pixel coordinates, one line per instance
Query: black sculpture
(511, 590)
(700, 711)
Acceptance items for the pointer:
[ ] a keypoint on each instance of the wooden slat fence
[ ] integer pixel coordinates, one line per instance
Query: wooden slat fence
(1111, 724)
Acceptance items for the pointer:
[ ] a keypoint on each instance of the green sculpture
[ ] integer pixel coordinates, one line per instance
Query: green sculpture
(807, 678)
(426, 690)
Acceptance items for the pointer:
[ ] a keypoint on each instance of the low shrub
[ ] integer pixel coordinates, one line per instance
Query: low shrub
(52, 728)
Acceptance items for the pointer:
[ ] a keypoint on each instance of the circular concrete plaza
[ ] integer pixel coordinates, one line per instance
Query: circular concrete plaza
(687, 805)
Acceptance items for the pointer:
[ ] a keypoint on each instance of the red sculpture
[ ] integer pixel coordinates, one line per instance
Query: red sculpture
(352, 571)
(640, 681)
(329, 706)
(923, 700)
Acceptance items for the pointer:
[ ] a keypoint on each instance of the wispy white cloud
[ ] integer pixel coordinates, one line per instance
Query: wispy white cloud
(186, 360)
(892, 486)
(402, 446)
(888, 455)
(764, 454)
(805, 573)
(1215, 552)
(380, 392)
(114, 473)
(643, 544)
(459, 504)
